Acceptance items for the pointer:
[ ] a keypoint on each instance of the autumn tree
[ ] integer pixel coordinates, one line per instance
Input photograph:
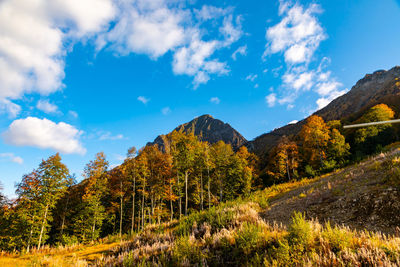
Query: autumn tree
(92, 213)
(314, 137)
(284, 160)
(367, 139)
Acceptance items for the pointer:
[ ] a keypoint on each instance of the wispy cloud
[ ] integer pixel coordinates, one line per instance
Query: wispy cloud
(271, 99)
(166, 111)
(242, 50)
(143, 99)
(12, 157)
(109, 136)
(215, 100)
(251, 77)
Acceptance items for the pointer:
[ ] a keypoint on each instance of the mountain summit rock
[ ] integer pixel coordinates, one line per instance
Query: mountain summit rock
(208, 129)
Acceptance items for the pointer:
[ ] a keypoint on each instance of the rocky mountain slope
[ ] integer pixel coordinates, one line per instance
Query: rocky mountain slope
(208, 129)
(379, 87)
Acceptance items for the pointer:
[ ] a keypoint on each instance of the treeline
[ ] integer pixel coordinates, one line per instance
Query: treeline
(321, 147)
(150, 186)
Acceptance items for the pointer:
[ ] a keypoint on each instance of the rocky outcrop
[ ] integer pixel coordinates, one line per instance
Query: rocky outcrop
(208, 129)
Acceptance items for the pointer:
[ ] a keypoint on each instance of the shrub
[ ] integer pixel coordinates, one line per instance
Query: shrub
(338, 238)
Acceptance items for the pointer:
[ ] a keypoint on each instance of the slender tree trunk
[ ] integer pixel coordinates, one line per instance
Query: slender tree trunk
(133, 204)
(43, 223)
(121, 212)
(287, 167)
(180, 198)
(143, 198)
(31, 232)
(94, 221)
(170, 199)
(152, 208)
(220, 188)
(139, 220)
(201, 190)
(186, 192)
(63, 219)
(209, 185)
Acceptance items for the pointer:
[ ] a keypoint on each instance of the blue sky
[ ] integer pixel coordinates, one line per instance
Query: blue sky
(79, 77)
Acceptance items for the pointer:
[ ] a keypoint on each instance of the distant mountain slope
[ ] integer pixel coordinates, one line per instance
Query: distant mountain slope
(380, 87)
(208, 129)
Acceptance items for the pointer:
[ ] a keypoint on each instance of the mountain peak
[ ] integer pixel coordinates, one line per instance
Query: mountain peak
(209, 129)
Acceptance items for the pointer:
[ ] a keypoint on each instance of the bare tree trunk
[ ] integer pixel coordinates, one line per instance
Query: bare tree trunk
(133, 204)
(143, 198)
(180, 197)
(220, 188)
(287, 167)
(209, 185)
(152, 208)
(121, 213)
(43, 223)
(64, 215)
(186, 192)
(31, 232)
(94, 221)
(201, 190)
(170, 200)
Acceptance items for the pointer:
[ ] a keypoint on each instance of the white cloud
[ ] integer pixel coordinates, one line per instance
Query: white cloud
(157, 27)
(43, 133)
(109, 136)
(251, 77)
(210, 12)
(12, 157)
(143, 99)
(46, 106)
(12, 109)
(215, 100)
(34, 38)
(271, 99)
(324, 101)
(73, 114)
(166, 111)
(119, 157)
(298, 34)
(293, 122)
(240, 51)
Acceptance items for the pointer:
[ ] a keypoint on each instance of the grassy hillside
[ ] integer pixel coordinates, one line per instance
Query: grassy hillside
(349, 217)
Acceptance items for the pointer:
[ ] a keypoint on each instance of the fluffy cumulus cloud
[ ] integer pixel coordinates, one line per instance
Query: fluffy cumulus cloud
(33, 38)
(45, 134)
(297, 36)
(11, 157)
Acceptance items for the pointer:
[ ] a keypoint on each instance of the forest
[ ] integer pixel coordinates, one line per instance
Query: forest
(161, 184)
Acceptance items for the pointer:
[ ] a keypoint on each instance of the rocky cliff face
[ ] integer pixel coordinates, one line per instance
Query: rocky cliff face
(208, 129)
(379, 87)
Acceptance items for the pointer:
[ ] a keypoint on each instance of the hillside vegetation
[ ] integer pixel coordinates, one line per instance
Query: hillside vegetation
(285, 224)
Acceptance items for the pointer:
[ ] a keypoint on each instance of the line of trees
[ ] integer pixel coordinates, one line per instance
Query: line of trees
(150, 186)
(322, 146)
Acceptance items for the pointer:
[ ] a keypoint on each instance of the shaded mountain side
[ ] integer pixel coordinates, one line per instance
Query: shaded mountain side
(380, 87)
(207, 129)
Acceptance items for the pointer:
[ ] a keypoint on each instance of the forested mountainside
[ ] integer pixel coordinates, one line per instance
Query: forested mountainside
(379, 87)
(208, 129)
